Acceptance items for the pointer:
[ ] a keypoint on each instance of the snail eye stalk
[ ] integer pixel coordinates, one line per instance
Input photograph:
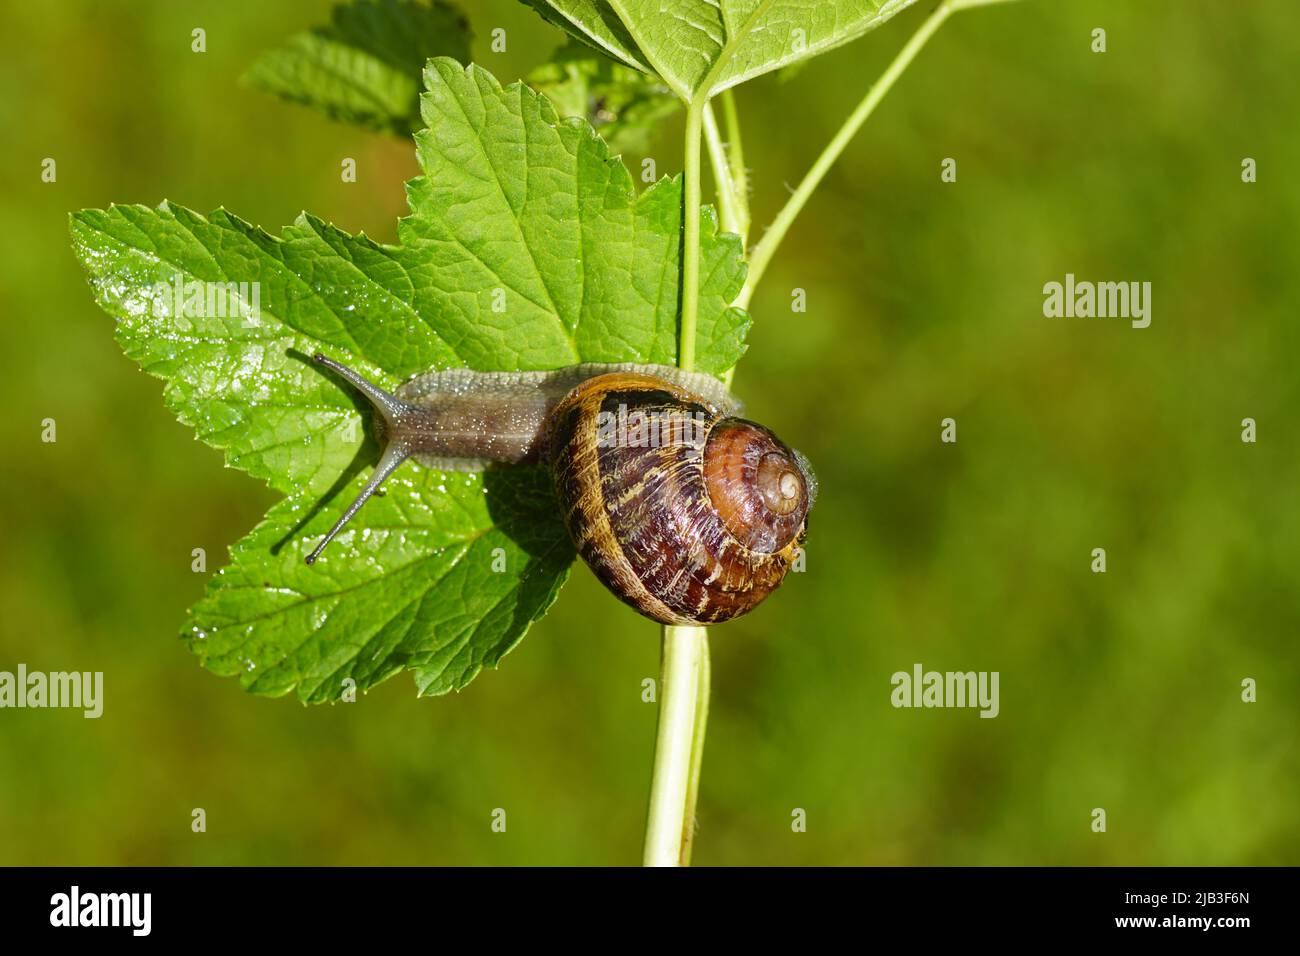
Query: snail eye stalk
(396, 451)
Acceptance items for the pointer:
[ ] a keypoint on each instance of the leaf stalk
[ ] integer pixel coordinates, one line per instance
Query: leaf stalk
(728, 208)
(691, 236)
(765, 248)
(736, 158)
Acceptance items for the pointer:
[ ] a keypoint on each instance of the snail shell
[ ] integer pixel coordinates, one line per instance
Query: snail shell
(696, 527)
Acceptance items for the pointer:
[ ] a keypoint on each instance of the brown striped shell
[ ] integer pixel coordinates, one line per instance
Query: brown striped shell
(688, 517)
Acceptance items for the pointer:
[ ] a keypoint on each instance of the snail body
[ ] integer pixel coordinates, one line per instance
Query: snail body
(687, 513)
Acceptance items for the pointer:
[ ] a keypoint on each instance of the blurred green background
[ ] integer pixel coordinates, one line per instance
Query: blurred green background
(1119, 690)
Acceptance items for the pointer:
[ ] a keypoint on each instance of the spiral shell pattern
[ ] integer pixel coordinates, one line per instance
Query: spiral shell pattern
(637, 472)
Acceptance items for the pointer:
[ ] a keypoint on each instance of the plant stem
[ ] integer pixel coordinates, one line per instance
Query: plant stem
(679, 743)
(697, 752)
(766, 247)
(684, 674)
(691, 237)
(728, 211)
(736, 157)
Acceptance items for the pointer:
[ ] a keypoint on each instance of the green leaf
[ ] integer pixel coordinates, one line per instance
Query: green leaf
(425, 597)
(624, 105)
(365, 67)
(517, 199)
(705, 46)
(517, 208)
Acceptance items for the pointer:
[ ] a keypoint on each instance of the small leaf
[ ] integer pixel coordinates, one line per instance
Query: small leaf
(705, 46)
(365, 67)
(516, 207)
(624, 105)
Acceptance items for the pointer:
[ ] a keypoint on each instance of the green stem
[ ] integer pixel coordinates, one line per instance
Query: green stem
(736, 156)
(691, 237)
(728, 211)
(683, 680)
(679, 742)
(697, 752)
(764, 249)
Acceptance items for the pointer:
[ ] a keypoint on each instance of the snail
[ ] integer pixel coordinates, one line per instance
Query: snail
(684, 511)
